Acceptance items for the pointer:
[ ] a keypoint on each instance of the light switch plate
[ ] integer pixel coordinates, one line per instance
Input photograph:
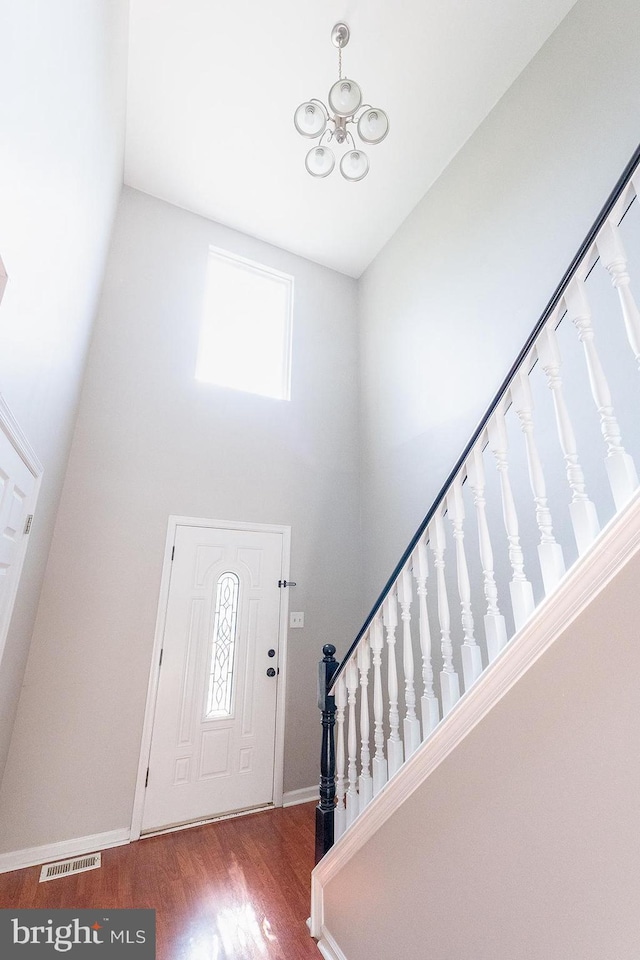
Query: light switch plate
(296, 620)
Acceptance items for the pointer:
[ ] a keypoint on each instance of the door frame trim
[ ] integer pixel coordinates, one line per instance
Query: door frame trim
(154, 671)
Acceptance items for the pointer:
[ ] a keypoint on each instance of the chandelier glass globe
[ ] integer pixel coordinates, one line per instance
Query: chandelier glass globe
(344, 98)
(320, 161)
(373, 125)
(310, 119)
(354, 165)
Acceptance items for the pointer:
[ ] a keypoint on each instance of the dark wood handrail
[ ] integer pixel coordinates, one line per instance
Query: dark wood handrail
(551, 306)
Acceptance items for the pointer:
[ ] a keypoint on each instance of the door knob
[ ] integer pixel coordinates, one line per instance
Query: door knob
(271, 672)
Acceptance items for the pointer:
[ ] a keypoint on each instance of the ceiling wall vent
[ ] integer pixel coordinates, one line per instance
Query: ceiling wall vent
(64, 868)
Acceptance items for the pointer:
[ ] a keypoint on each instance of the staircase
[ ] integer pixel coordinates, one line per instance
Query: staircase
(535, 529)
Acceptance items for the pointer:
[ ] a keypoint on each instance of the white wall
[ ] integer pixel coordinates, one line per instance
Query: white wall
(149, 442)
(449, 302)
(479, 256)
(523, 843)
(62, 77)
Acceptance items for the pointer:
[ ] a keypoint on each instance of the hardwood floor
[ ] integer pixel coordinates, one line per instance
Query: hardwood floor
(234, 890)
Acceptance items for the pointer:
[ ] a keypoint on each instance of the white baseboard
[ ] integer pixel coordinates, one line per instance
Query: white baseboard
(329, 948)
(48, 852)
(304, 795)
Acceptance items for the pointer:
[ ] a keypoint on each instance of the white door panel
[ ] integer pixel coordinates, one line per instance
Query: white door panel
(213, 740)
(18, 491)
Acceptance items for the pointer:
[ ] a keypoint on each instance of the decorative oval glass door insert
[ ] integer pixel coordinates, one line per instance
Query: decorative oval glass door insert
(219, 696)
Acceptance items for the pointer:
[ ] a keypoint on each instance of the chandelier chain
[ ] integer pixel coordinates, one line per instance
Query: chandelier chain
(339, 63)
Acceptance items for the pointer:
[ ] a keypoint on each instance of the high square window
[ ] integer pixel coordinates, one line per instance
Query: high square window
(245, 339)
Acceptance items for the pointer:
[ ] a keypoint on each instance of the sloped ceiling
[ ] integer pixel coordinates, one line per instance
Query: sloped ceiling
(213, 87)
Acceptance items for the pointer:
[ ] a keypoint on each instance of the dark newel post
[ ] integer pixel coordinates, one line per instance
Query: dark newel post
(324, 811)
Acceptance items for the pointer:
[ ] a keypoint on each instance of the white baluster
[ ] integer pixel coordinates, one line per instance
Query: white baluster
(620, 467)
(429, 701)
(519, 588)
(449, 682)
(614, 257)
(394, 743)
(584, 518)
(340, 816)
(365, 782)
(411, 724)
(494, 624)
(471, 656)
(549, 550)
(379, 762)
(353, 805)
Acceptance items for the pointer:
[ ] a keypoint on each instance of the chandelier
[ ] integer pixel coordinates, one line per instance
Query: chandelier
(314, 120)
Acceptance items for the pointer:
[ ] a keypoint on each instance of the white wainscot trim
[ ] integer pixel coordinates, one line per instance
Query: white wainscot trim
(304, 795)
(616, 544)
(329, 948)
(63, 850)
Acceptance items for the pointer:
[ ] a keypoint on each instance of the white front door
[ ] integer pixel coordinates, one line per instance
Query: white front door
(213, 740)
(19, 475)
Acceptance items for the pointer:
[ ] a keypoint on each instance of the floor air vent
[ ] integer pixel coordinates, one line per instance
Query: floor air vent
(63, 868)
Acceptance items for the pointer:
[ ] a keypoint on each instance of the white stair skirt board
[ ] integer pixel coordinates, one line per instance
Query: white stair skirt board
(616, 544)
(329, 948)
(48, 852)
(304, 795)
